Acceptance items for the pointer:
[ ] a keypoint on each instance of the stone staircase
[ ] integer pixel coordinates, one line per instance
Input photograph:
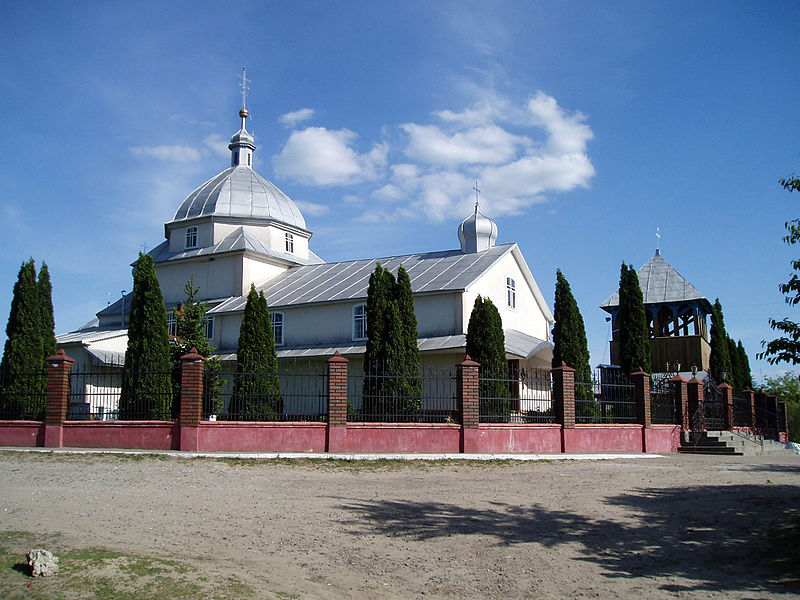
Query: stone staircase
(734, 444)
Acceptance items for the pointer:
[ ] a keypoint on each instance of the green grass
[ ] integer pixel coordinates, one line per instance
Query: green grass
(97, 574)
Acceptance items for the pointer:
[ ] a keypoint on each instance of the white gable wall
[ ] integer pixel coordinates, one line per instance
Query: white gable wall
(528, 316)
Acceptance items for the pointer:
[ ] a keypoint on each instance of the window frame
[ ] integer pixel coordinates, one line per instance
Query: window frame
(511, 293)
(273, 319)
(359, 314)
(172, 323)
(289, 239)
(191, 237)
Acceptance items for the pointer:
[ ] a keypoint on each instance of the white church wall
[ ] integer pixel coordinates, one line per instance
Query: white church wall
(219, 277)
(526, 316)
(257, 272)
(177, 237)
(438, 315)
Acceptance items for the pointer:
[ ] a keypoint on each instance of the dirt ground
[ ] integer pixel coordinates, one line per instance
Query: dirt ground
(680, 526)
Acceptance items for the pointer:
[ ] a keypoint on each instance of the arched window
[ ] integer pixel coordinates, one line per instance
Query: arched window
(191, 237)
(276, 320)
(360, 322)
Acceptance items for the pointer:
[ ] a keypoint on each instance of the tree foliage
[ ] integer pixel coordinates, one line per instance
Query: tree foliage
(22, 376)
(392, 383)
(486, 345)
(191, 320)
(147, 375)
(257, 392)
(786, 388)
(720, 365)
(48, 324)
(786, 347)
(745, 376)
(634, 335)
(569, 336)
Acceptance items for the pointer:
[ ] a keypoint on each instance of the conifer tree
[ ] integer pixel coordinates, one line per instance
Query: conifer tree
(720, 360)
(746, 381)
(408, 368)
(147, 375)
(190, 320)
(486, 346)
(257, 394)
(634, 335)
(735, 376)
(22, 391)
(569, 337)
(46, 307)
(383, 327)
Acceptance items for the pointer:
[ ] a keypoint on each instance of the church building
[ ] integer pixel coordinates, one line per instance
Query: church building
(239, 229)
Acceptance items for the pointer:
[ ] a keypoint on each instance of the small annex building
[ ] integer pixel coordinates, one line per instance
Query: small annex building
(238, 229)
(676, 316)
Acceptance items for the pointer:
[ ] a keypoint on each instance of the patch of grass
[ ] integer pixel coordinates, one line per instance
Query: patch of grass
(98, 574)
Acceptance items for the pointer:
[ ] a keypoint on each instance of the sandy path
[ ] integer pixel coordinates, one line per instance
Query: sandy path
(682, 526)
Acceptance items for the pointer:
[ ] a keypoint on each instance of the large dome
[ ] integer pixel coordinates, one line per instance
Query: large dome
(240, 192)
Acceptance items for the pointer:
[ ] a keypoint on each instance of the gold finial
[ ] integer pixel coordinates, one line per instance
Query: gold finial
(243, 113)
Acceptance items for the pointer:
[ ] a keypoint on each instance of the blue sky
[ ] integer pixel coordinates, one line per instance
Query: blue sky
(588, 125)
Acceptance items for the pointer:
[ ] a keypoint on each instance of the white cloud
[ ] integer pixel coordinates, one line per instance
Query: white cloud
(312, 208)
(319, 156)
(567, 133)
(168, 153)
(486, 144)
(291, 119)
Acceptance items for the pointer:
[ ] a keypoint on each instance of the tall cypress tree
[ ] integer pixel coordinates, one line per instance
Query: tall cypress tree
(486, 346)
(634, 335)
(720, 360)
(46, 306)
(569, 337)
(735, 375)
(381, 355)
(22, 391)
(744, 368)
(147, 375)
(257, 393)
(410, 383)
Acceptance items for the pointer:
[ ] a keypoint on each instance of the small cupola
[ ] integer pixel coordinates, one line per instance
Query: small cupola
(477, 232)
(242, 145)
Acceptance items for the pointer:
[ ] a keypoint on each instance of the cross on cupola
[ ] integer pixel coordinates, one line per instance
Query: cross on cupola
(242, 145)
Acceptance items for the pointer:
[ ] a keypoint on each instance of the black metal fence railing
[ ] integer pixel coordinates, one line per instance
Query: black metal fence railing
(663, 401)
(23, 396)
(742, 412)
(515, 396)
(295, 393)
(387, 397)
(713, 407)
(607, 398)
(110, 393)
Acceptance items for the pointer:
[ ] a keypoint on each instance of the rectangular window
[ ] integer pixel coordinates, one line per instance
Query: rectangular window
(360, 322)
(191, 237)
(276, 320)
(289, 242)
(511, 292)
(209, 327)
(172, 324)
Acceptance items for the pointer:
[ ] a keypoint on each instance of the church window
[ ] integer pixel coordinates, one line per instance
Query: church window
(236, 158)
(276, 320)
(511, 292)
(209, 327)
(172, 323)
(191, 237)
(289, 242)
(248, 159)
(360, 322)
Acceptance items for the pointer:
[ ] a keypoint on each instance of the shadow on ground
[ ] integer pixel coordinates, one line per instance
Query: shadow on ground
(745, 537)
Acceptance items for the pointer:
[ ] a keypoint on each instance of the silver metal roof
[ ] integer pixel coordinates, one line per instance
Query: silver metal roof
(660, 284)
(90, 335)
(240, 192)
(239, 239)
(431, 272)
(526, 346)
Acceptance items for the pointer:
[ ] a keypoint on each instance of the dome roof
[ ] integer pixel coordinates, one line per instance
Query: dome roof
(240, 192)
(477, 232)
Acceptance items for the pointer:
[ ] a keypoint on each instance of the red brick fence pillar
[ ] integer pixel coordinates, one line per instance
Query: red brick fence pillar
(694, 390)
(467, 392)
(191, 399)
(681, 395)
(564, 399)
(59, 368)
(337, 404)
(641, 397)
